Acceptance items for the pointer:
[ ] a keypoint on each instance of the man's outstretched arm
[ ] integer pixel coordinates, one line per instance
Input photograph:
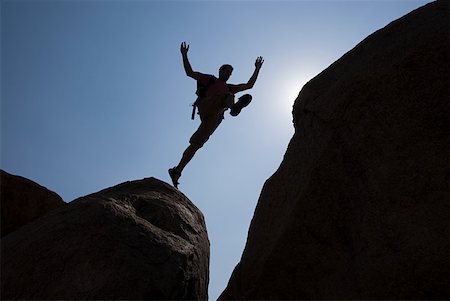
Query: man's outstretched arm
(184, 48)
(251, 82)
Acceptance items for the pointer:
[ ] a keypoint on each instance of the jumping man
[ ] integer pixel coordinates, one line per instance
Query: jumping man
(215, 96)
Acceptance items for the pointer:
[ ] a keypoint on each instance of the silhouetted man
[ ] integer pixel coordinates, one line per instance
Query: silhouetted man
(215, 96)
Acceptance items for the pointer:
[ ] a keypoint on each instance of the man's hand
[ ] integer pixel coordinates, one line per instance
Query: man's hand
(258, 63)
(184, 48)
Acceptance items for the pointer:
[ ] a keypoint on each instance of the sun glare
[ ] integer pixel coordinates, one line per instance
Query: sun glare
(290, 88)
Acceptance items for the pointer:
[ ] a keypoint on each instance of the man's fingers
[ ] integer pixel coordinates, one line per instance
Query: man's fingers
(184, 45)
(184, 48)
(259, 61)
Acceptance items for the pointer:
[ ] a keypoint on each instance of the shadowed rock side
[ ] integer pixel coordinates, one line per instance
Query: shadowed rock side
(360, 206)
(138, 240)
(23, 201)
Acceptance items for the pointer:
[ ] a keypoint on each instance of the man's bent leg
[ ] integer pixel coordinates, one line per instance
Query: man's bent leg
(242, 102)
(229, 100)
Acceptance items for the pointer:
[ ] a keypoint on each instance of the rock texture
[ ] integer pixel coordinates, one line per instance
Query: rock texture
(360, 206)
(138, 240)
(23, 201)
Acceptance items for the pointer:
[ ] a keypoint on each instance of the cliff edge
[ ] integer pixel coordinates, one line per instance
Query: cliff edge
(138, 240)
(359, 207)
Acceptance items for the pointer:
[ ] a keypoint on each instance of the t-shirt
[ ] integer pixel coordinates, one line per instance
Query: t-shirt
(219, 87)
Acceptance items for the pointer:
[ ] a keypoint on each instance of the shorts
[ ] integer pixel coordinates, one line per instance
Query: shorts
(211, 111)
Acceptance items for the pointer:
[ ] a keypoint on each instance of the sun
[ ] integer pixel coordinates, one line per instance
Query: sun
(291, 88)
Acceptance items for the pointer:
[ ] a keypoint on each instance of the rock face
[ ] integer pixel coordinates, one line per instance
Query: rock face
(138, 240)
(23, 201)
(360, 206)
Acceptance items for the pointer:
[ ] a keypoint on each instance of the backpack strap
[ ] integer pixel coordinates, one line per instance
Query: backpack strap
(194, 107)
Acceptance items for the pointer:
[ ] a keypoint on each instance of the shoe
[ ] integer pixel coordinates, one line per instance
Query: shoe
(242, 102)
(174, 175)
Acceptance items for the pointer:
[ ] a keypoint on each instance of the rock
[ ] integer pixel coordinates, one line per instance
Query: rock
(138, 240)
(23, 201)
(360, 206)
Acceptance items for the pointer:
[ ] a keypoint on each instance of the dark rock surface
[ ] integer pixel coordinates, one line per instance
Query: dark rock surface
(138, 240)
(360, 206)
(23, 201)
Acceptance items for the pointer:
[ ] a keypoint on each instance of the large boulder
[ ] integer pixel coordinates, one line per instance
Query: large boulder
(360, 206)
(23, 201)
(138, 240)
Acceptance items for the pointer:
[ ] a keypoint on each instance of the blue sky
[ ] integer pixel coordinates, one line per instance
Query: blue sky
(93, 93)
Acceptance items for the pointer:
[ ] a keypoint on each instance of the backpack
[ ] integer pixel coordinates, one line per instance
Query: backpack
(201, 92)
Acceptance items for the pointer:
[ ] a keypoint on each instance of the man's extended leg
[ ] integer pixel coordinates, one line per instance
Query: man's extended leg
(188, 154)
(198, 139)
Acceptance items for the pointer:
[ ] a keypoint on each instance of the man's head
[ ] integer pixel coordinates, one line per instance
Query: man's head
(225, 72)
